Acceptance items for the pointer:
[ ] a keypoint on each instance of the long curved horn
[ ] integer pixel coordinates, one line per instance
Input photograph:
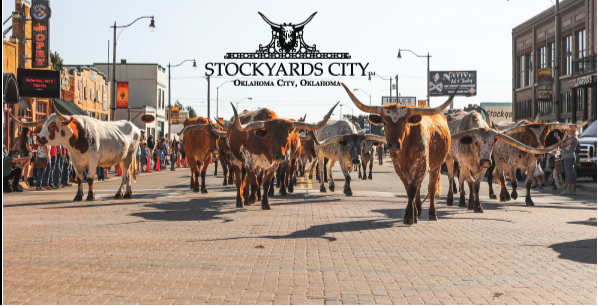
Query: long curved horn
(29, 125)
(488, 122)
(272, 24)
(375, 138)
(219, 123)
(192, 127)
(217, 132)
(331, 140)
(300, 25)
(433, 111)
(361, 106)
(247, 127)
(526, 148)
(460, 135)
(313, 137)
(317, 126)
(537, 119)
(514, 130)
(567, 126)
(305, 137)
(61, 117)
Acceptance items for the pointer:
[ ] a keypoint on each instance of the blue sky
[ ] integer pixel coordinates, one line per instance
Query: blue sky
(459, 35)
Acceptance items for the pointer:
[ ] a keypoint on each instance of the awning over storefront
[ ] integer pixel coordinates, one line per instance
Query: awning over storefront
(68, 108)
(11, 90)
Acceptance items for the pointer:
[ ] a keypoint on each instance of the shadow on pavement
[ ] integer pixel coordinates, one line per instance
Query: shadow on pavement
(582, 251)
(590, 222)
(204, 209)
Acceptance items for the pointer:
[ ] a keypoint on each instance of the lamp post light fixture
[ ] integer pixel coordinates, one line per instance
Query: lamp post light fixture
(356, 89)
(428, 70)
(217, 96)
(170, 90)
(152, 27)
(248, 98)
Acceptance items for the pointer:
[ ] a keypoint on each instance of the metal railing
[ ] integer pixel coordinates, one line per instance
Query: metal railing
(584, 64)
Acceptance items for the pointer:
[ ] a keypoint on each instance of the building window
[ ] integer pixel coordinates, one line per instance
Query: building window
(566, 102)
(41, 111)
(581, 98)
(521, 65)
(159, 98)
(92, 114)
(542, 57)
(104, 117)
(162, 98)
(568, 54)
(530, 66)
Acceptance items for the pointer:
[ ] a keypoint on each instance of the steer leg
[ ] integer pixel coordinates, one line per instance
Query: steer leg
(239, 182)
(268, 180)
(79, 195)
(477, 206)
(418, 203)
(194, 167)
(359, 169)
(271, 188)
(204, 169)
(513, 175)
(224, 168)
(321, 173)
(451, 181)
(371, 166)
(471, 200)
(330, 178)
(291, 173)
(433, 190)
(119, 193)
(489, 177)
(347, 188)
(215, 165)
(260, 177)
(528, 184)
(251, 183)
(278, 176)
(282, 179)
(462, 190)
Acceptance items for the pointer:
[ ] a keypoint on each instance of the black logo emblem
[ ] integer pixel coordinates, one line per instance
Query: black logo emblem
(287, 42)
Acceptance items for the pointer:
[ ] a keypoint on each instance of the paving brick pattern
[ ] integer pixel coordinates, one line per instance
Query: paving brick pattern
(181, 248)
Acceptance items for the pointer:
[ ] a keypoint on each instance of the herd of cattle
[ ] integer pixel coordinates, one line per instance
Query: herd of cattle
(256, 145)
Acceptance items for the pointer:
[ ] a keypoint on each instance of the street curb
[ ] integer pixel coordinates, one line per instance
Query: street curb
(589, 188)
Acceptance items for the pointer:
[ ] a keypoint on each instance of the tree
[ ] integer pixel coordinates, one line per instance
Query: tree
(192, 113)
(56, 61)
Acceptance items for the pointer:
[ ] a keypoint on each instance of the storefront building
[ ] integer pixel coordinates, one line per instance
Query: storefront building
(533, 48)
(88, 89)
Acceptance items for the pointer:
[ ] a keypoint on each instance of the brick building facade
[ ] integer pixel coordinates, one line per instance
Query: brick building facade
(533, 47)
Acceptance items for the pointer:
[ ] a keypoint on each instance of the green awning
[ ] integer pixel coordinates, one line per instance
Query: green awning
(68, 108)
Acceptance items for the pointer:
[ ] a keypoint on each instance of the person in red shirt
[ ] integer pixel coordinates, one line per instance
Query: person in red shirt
(53, 168)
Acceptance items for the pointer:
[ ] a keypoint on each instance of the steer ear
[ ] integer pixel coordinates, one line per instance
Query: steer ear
(260, 133)
(375, 119)
(415, 119)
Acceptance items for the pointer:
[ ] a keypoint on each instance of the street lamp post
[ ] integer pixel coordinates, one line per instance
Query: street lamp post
(390, 89)
(356, 89)
(248, 98)
(152, 27)
(170, 90)
(428, 70)
(341, 105)
(217, 96)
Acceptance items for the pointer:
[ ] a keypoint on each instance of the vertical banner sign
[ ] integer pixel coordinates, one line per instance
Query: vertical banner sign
(221, 119)
(40, 29)
(122, 94)
(175, 115)
(421, 103)
(545, 85)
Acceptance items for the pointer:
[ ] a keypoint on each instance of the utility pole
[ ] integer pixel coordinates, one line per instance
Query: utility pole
(557, 60)
(208, 78)
(397, 83)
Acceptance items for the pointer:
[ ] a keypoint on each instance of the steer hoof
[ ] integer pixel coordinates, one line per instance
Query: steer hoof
(528, 201)
(492, 196)
(433, 217)
(224, 183)
(283, 192)
(450, 201)
(127, 196)
(291, 189)
(265, 205)
(322, 189)
(348, 192)
(478, 210)
(78, 198)
(514, 195)
(331, 188)
(408, 220)
(239, 204)
(90, 197)
(251, 199)
(462, 202)
(370, 177)
(116, 197)
(204, 190)
(470, 205)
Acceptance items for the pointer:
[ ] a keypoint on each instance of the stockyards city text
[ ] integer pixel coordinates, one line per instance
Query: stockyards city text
(286, 83)
(285, 69)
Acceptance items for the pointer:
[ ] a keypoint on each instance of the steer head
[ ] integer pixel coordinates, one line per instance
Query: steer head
(478, 143)
(59, 129)
(398, 120)
(208, 133)
(351, 142)
(368, 144)
(274, 133)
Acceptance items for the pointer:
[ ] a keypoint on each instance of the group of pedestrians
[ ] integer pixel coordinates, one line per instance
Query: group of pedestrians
(560, 165)
(43, 167)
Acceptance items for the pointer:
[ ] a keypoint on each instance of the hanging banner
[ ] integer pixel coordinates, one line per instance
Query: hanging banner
(122, 94)
(40, 30)
(545, 85)
(175, 115)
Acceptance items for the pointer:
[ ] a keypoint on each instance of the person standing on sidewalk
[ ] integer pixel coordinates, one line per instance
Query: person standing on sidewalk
(24, 145)
(42, 152)
(11, 169)
(568, 152)
(151, 145)
(138, 157)
(66, 168)
(175, 152)
(380, 151)
(144, 156)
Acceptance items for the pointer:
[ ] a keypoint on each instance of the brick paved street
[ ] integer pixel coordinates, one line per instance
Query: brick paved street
(171, 246)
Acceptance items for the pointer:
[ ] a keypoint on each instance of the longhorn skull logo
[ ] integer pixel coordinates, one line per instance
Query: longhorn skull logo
(289, 35)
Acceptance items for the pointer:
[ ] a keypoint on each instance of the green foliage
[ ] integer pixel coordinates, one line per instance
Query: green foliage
(376, 129)
(56, 61)
(192, 113)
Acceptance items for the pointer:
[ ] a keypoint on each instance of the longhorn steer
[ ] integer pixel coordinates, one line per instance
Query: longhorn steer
(258, 140)
(224, 156)
(200, 143)
(92, 143)
(419, 140)
(339, 141)
(510, 159)
(471, 147)
(367, 157)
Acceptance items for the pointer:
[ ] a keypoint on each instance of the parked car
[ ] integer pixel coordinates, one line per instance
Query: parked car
(587, 155)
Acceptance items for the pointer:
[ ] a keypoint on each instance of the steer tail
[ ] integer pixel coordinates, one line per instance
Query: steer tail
(436, 194)
(134, 168)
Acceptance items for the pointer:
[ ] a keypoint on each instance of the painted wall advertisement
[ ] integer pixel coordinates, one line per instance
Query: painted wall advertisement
(175, 115)
(499, 112)
(122, 94)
